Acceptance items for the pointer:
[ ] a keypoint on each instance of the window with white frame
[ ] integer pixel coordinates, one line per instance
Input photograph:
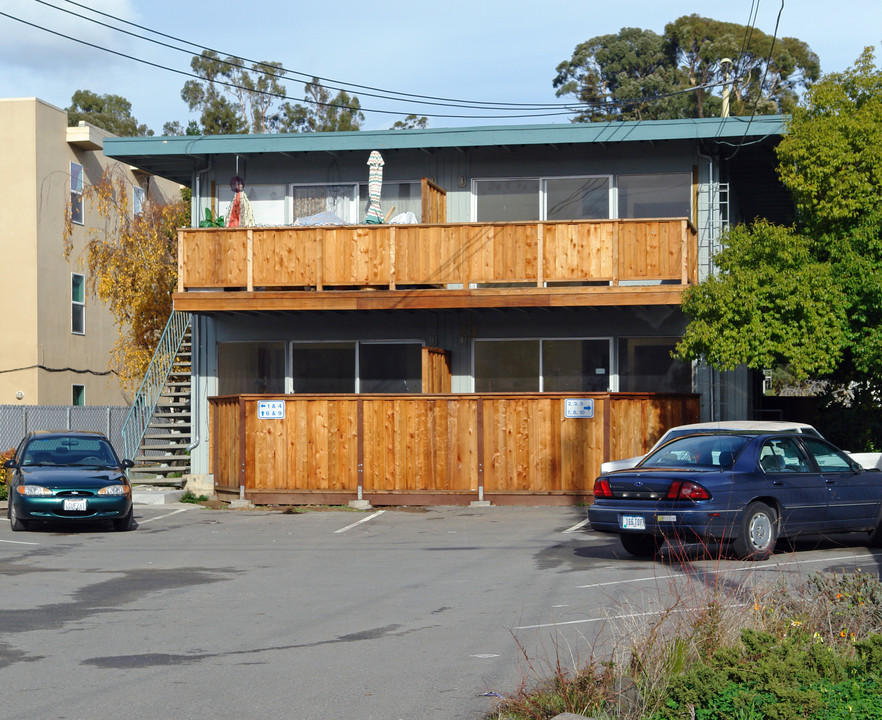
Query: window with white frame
(356, 367)
(506, 200)
(395, 197)
(577, 198)
(76, 193)
(138, 199)
(589, 197)
(77, 304)
(542, 365)
(341, 200)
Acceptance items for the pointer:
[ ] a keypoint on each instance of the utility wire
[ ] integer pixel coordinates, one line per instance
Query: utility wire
(759, 94)
(264, 92)
(282, 72)
(603, 105)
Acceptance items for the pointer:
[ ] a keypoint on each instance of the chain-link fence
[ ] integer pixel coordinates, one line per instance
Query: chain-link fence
(18, 420)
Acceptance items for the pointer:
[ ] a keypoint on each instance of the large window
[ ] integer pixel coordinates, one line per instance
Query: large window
(646, 365)
(661, 195)
(250, 367)
(578, 198)
(396, 197)
(76, 193)
(357, 367)
(341, 200)
(658, 195)
(539, 365)
(506, 200)
(77, 304)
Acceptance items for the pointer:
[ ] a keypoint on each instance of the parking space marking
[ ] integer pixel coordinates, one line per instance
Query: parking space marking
(753, 567)
(575, 527)
(359, 522)
(626, 616)
(19, 542)
(160, 517)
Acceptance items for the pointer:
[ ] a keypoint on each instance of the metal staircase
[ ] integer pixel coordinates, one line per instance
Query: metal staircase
(158, 430)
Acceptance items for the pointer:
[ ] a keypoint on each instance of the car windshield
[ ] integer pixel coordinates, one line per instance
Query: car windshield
(700, 451)
(69, 451)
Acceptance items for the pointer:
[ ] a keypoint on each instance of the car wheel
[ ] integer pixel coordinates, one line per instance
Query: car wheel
(640, 545)
(759, 532)
(15, 522)
(124, 524)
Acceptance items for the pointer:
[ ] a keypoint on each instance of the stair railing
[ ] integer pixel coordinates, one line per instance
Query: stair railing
(142, 410)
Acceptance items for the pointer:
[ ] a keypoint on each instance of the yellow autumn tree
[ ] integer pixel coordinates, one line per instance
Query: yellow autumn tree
(132, 267)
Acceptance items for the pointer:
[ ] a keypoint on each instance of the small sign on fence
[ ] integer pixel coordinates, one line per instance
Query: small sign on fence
(270, 409)
(579, 408)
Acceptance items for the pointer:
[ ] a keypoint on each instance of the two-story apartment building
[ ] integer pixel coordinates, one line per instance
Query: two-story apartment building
(503, 343)
(56, 339)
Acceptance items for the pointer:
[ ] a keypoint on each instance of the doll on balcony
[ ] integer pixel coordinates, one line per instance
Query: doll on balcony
(240, 214)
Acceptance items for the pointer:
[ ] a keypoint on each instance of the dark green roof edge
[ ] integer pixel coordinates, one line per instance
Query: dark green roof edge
(732, 128)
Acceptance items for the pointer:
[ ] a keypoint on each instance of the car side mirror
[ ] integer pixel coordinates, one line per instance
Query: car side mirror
(10, 464)
(128, 463)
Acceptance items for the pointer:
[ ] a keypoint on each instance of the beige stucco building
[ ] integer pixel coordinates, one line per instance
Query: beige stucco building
(56, 338)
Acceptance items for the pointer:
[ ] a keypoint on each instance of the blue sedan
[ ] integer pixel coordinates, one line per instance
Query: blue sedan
(68, 476)
(750, 489)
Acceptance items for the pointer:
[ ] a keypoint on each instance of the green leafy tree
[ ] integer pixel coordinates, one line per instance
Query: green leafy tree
(767, 74)
(322, 113)
(634, 64)
(411, 122)
(110, 112)
(218, 115)
(808, 296)
(678, 74)
(175, 128)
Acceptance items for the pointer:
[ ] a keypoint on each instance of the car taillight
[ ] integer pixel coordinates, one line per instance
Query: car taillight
(602, 489)
(681, 490)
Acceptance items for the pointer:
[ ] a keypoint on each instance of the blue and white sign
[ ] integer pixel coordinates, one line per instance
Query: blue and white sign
(270, 409)
(579, 407)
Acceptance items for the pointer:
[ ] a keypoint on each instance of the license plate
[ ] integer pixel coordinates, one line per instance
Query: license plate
(75, 505)
(633, 522)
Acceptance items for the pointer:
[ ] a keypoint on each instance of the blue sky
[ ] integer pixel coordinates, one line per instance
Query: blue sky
(491, 50)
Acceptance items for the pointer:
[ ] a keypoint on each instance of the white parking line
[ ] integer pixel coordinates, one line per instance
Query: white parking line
(19, 542)
(160, 517)
(359, 522)
(610, 617)
(765, 567)
(575, 527)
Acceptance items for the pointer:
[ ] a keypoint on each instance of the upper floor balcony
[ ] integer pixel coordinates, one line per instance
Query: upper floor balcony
(438, 265)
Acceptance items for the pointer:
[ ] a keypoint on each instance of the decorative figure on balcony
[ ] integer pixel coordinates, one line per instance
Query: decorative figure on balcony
(240, 214)
(375, 187)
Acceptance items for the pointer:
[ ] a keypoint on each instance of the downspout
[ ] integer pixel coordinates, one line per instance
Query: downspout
(194, 325)
(711, 372)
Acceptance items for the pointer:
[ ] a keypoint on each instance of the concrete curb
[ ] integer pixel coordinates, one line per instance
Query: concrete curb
(147, 495)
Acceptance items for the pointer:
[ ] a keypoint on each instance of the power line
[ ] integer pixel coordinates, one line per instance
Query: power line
(762, 82)
(281, 72)
(264, 92)
(482, 106)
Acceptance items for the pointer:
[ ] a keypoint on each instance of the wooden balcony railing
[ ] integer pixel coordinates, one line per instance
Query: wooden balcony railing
(533, 254)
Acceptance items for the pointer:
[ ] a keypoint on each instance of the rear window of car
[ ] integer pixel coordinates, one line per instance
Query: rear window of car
(707, 451)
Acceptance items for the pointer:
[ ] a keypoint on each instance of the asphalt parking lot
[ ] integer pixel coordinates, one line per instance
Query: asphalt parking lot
(396, 613)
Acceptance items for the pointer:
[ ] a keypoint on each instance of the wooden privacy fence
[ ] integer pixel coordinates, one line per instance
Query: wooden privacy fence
(390, 256)
(429, 449)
